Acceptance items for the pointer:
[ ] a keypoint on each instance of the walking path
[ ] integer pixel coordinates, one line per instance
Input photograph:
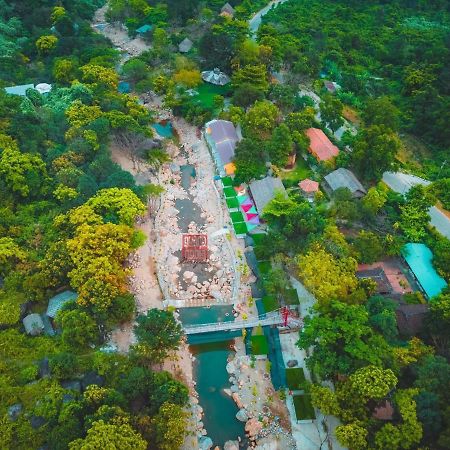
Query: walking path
(309, 436)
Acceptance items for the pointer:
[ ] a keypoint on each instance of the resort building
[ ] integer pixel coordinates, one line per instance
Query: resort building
(227, 10)
(263, 191)
(19, 90)
(309, 188)
(185, 45)
(320, 146)
(419, 259)
(33, 324)
(402, 182)
(222, 137)
(344, 178)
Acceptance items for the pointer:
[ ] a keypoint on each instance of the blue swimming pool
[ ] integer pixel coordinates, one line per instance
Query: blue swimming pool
(164, 129)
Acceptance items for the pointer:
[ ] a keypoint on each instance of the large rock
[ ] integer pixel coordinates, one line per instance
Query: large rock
(205, 443)
(292, 363)
(237, 400)
(253, 427)
(231, 368)
(242, 415)
(188, 275)
(231, 445)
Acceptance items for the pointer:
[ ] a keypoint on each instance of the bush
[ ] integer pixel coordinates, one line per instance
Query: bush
(63, 365)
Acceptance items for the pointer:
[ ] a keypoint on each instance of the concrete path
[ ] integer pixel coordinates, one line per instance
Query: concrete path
(309, 436)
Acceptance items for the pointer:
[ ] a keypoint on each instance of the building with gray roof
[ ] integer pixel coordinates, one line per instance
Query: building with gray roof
(222, 137)
(227, 9)
(19, 90)
(344, 178)
(58, 301)
(33, 324)
(185, 45)
(402, 182)
(263, 191)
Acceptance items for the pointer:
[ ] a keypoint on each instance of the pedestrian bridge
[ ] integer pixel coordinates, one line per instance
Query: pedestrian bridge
(273, 318)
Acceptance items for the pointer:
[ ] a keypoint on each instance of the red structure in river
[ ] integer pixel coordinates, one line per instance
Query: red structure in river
(194, 247)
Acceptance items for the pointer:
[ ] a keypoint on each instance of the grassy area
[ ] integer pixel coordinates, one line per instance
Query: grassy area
(240, 228)
(236, 217)
(260, 345)
(229, 192)
(303, 407)
(270, 303)
(227, 182)
(232, 202)
(295, 378)
(207, 92)
(298, 173)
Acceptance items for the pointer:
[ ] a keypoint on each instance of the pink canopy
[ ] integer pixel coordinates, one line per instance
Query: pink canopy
(254, 220)
(247, 207)
(250, 216)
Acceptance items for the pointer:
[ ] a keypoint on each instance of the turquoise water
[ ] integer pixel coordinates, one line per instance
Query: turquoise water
(165, 130)
(212, 351)
(212, 378)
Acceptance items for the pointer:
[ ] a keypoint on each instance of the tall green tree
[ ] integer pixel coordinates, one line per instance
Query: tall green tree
(158, 335)
(375, 151)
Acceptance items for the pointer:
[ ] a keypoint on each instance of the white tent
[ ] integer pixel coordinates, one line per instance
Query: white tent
(43, 88)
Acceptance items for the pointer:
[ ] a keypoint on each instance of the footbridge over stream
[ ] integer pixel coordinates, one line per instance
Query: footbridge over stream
(274, 318)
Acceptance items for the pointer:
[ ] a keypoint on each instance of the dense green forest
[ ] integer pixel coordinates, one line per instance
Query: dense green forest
(398, 49)
(67, 216)
(68, 212)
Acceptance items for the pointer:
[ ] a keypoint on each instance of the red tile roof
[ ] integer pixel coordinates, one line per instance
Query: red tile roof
(320, 146)
(308, 185)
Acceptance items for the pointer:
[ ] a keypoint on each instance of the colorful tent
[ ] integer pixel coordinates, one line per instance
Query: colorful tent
(242, 199)
(252, 210)
(249, 216)
(254, 220)
(247, 206)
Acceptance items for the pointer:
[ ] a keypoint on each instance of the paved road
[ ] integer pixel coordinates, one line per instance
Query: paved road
(255, 21)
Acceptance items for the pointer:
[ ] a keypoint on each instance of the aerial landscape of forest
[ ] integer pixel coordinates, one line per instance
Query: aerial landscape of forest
(224, 225)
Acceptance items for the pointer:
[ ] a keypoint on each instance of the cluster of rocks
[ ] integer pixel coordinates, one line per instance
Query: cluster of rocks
(259, 421)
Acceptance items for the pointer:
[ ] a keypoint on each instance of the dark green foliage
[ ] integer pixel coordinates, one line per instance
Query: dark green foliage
(63, 365)
(159, 333)
(382, 316)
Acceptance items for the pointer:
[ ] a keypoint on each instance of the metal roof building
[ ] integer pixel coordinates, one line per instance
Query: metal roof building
(344, 178)
(320, 146)
(222, 138)
(418, 258)
(185, 45)
(58, 301)
(402, 182)
(19, 90)
(263, 191)
(33, 324)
